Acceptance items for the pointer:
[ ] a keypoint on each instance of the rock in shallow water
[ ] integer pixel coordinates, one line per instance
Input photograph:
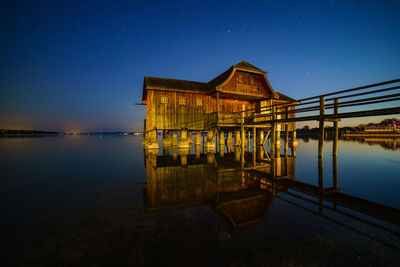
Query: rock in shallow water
(224, 237)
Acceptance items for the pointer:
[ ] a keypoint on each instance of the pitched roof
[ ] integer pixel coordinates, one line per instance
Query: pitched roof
(246, 210)
(164, 83)
(243, 65)
(221, 78)
(193, 86)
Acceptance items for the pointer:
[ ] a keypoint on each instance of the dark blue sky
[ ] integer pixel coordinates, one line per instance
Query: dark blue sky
(79, 65)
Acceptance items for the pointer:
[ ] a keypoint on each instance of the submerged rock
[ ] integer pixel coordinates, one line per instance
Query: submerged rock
(224, 237)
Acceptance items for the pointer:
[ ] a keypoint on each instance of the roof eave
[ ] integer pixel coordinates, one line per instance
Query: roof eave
(250, 70)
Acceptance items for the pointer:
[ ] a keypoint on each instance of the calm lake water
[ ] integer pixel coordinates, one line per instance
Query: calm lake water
(91, 201)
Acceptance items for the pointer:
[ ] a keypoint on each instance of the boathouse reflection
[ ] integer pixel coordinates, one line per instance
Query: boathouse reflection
(243, 185)
(241, 192)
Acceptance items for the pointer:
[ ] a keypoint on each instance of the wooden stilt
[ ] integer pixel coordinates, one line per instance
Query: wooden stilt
(336, 129)
(243, 136)
(248, 141)
(174, 138)
(321, 126)
(286, 138)
(254, 140)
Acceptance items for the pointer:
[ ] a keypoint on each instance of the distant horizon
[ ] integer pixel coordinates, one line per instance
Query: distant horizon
(298, 126)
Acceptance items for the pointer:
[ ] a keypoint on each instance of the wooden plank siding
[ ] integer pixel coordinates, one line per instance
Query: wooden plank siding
(175, 110)
(249, 84)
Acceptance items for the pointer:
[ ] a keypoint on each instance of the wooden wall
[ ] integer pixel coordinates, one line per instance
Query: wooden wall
(247, 83)
(177, 110)
(235, 105)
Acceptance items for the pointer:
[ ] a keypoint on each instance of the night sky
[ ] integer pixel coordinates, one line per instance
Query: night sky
(79, 65)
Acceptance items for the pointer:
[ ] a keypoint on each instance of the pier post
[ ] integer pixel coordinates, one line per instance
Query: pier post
(237, 138)
(204, 139)
(321, 174)
(336, 128)
(248, 141)
(216, 140)
(167, 151)
(321, 185)
(294, 139)
(254, 139)
(277, 140)
(278, 134)
(174, 138)
(293, 150)
(197, 151)
(236, 150)
(335, 178)
(262, 137)
(229, 137)
(145, 135)
(174, 152)
(146, 139)
(273, 135)
(286, 138)
(184, 142)
(321, 126)
(153, 144)
(221, 143)
(221, 138)
(335, 173)
(151, 158)
(210, 158)
(243, 137)
(229, 142)
(197, 140)
(167, 141)
(183, 153)
(260, 152)
(210, 145)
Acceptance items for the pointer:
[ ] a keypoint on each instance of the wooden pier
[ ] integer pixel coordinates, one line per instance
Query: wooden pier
(232, 118)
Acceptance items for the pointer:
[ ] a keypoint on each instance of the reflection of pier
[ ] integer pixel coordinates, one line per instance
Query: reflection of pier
(243, 188)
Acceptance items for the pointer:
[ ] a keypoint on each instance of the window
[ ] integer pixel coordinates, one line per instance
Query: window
(199, 102)
(164, 100)
(182, 101)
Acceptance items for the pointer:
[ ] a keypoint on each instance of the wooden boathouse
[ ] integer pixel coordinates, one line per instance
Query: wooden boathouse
(221, 105)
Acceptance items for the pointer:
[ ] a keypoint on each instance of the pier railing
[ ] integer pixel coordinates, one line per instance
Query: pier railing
(357, 102)
(364, 101)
